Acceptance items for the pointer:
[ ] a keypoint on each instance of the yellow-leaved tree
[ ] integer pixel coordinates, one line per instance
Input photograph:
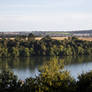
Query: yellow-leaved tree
(54, 78)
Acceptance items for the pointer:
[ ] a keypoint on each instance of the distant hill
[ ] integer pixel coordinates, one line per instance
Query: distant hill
(81, 33)
(87, 33)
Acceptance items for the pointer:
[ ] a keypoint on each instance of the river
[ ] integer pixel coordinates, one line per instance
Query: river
(28, 67)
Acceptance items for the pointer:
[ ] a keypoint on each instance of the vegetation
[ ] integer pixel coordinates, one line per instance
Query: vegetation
(23, 47)
(51, 79)
(85, 82)
(52, 76)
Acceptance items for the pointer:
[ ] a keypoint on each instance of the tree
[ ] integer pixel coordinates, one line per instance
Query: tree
(84, 83)
(15, 52)
(31, 37)
(24, 52)
(43, 49)
(69, 51)
(61, 50)
(80, 51)
(54, 78)
(31, 51)
(46, 38)
(3, 52)
(7, 81)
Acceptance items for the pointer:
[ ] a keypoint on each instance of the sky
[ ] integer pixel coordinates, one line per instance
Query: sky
(48, 15)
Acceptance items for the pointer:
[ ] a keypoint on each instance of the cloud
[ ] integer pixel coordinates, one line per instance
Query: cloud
(45, 4)
(66, 21)
(46, 15)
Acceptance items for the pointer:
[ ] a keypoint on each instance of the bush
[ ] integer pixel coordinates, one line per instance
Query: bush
(9, 82)
(84, 83)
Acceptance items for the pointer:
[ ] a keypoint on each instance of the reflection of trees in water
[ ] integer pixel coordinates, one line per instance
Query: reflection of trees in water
(34, 62)
(22, 63)
(4, 64)
(77, 59)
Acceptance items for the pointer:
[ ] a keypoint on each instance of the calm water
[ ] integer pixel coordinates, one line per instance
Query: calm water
(28, 67)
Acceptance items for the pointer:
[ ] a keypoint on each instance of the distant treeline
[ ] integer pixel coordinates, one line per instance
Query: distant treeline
(20, 47)
(81, 33)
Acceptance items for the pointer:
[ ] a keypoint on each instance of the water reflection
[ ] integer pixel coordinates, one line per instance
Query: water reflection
(26, 67)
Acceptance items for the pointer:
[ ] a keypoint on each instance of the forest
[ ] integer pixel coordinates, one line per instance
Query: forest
(26, 47)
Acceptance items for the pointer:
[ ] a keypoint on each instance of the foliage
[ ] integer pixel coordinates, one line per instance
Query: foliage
(54, 78)
(8, 82)
(51, 79)
(44, 47)
(84, 83)
(31, 37)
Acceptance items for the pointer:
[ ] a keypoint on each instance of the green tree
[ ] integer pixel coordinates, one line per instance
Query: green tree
(15, 52)
(3, 52)
(8, 81)
(43, 49)
(80, 51)
(84, 83)
(31, 51)
(24, 52)
(46, 38)
(54, 78)
(61, 50)
(31, 37)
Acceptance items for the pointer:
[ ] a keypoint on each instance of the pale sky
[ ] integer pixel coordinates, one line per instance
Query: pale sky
(35, 15)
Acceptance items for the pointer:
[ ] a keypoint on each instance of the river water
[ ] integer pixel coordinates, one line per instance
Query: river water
(29, 67)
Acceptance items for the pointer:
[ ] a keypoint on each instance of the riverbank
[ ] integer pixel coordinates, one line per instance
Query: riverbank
(45, 47)
(50, 80)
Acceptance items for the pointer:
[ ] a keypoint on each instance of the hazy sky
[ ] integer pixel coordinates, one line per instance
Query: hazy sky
(26, 15)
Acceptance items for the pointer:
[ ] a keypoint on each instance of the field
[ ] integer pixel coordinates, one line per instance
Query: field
(62, 38)
(56, 38)
(86, 38)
